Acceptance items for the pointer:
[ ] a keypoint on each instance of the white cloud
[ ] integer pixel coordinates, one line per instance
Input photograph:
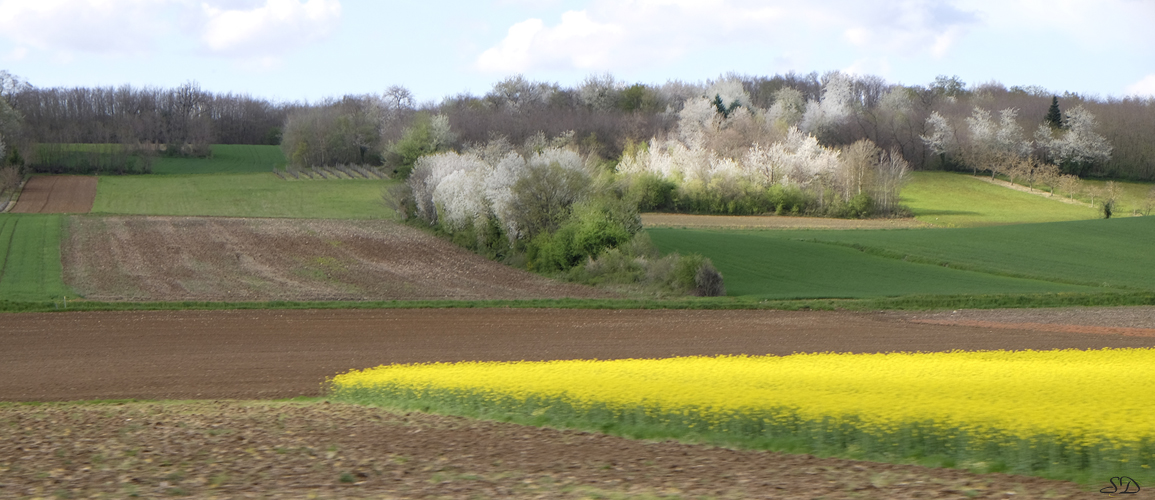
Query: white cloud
(610, 35)
(99, 26)
(1144, 87)
(577, 42)
(113, 27)
(273, 28)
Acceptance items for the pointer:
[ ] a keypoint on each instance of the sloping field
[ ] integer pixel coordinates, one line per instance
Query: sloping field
(57, 194)
(950, 199)
(30, 258)
(226, 259)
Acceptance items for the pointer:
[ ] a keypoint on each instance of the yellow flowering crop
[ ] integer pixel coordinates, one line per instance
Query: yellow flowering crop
(1097, 405)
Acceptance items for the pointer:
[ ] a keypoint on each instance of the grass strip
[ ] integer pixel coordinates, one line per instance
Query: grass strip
(910, 302)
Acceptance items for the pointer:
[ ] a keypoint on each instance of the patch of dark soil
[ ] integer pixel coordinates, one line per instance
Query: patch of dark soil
(269, 450)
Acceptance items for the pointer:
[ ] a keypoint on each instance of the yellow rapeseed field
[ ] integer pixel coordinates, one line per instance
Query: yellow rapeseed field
(1082, 408)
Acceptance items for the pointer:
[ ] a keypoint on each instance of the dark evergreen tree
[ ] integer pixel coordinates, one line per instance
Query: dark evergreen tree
(1054, 117)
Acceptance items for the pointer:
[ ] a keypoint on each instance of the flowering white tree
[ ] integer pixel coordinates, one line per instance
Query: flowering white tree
(994, 146)
(600, 92)
(837, 95)
(1079, 145)
(941, 140)
(457, 190)
(698, 118)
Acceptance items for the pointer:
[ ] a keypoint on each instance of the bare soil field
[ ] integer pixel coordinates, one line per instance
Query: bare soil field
(57, 194)
(242, 259)
(269, 450)
(230, 449)
(771, 222)
(286, 353)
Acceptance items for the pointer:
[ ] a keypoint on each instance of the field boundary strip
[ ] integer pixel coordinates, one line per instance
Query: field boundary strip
(7, 233)
(1048, 327)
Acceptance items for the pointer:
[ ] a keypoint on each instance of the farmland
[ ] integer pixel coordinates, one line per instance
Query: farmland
(227, 233)
(30, 258)
(769, 264)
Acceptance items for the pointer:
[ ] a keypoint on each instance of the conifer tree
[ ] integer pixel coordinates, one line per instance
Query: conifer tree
(1054, 117)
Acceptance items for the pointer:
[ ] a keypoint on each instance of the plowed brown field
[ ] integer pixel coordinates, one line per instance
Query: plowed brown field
(267, 450)
(229, 259)
(57, 194)
(286, 353)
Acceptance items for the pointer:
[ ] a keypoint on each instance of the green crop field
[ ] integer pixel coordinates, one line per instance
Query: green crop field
(958, 200)
(226, 159)
(30, 257)
(240, 195)
(1112, 252)
(770, 265)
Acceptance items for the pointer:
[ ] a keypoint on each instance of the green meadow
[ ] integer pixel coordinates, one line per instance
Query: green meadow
(30, 266)
(948, 199)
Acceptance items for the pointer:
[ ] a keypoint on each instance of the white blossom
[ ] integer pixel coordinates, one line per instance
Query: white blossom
(834, 107)
(941, 138)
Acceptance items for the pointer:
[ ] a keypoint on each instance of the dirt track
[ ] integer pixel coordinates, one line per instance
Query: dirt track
(276, 354)
(57, 194)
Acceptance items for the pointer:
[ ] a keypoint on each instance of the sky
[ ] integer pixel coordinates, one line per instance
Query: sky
(307, 50)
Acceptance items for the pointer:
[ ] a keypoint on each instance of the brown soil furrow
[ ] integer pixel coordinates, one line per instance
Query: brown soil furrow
(242, 450)
(286, 353)
(1046, 327)
(56, 194)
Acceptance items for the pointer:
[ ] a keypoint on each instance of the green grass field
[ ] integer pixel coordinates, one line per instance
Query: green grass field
(1113, 252)
(30, 257)
(770, 265)
(950, 199)
(240, 195)
(226, 159)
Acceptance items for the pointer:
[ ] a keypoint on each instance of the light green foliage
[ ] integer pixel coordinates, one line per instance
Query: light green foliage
(959, 200)
(225, 159)
(241, 195)
(769, 264)
(419, 140)
(30, 258)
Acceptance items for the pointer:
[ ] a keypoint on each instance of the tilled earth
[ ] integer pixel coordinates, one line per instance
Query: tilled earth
(236, 449)
(254, 259)
(57, 194)
(283, 450)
